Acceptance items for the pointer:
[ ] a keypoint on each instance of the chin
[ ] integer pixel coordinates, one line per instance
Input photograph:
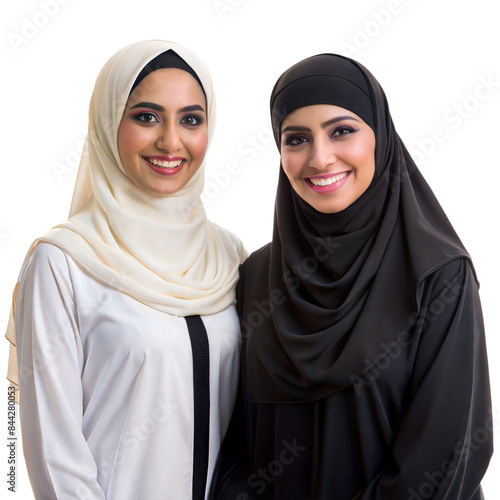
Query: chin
(326, 207)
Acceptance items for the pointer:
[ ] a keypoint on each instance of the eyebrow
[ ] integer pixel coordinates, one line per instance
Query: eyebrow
(297, 128)
(194, 107)
(150, 105)
(161, 109)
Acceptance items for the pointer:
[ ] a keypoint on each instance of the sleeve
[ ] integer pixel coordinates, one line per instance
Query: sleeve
(50, 359)
(444, 443)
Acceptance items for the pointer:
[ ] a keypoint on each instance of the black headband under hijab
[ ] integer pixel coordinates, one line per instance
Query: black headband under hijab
(348, 282)
(168, 59)
(317, 81)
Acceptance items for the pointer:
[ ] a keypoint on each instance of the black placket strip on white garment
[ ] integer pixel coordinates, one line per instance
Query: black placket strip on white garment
(201, 379)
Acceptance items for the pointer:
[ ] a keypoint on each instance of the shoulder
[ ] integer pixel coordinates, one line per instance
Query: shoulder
(449, 291)
(46, 259)
(456, 271)
(258, 258)
(46, 254)
(257, 263)
(46, 276)
(254, 275)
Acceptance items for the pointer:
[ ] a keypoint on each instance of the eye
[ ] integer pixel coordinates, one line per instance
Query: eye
(193, 120)
(343, 131)
(295, 140)
(146, 117)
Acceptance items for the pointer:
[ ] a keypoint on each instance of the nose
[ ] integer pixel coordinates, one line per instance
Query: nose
(168, 138)
(322, 155)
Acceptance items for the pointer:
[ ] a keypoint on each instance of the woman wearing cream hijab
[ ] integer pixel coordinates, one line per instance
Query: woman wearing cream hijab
(125, 328)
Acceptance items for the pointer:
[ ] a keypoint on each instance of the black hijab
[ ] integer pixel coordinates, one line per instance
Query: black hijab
(167, 59)
(349, 282)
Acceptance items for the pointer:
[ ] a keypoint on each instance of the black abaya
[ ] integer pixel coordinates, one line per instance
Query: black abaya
(416, 426)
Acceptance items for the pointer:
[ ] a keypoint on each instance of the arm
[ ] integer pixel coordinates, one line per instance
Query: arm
(230, 478)
(444, 444)
(50, 360)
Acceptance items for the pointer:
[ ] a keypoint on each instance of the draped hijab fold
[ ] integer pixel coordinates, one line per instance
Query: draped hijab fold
(351, 280)
(162, 251)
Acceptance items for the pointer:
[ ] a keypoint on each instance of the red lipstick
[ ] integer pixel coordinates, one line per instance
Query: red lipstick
(165, 165)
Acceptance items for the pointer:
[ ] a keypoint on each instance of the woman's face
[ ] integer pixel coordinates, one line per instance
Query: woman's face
(328, 154)
(163, 134)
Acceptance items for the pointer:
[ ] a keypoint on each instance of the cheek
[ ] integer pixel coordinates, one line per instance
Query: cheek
(363, 156)
(198, 145)
(369, 160)
(290, 165)
(128, 140)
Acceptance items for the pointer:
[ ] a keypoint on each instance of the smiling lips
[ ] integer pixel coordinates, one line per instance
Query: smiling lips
(326, 184)
(165, 165)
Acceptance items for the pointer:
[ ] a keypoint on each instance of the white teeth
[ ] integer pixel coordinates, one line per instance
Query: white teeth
(165, 164)
(328, 180)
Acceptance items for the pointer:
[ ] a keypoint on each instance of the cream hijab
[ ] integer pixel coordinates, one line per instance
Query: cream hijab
(163, 251)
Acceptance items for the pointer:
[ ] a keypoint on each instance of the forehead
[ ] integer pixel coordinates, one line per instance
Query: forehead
(316, 113)
(168, 86)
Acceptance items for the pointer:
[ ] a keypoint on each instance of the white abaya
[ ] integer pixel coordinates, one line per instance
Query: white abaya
(107, 387)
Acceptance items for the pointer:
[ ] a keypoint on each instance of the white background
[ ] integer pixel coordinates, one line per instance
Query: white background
(432, 58)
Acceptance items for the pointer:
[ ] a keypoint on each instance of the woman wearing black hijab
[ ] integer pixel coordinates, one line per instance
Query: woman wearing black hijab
(364, 371)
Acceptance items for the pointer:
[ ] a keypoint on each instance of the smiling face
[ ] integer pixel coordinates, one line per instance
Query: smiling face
(163, 135)
(328, 155)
